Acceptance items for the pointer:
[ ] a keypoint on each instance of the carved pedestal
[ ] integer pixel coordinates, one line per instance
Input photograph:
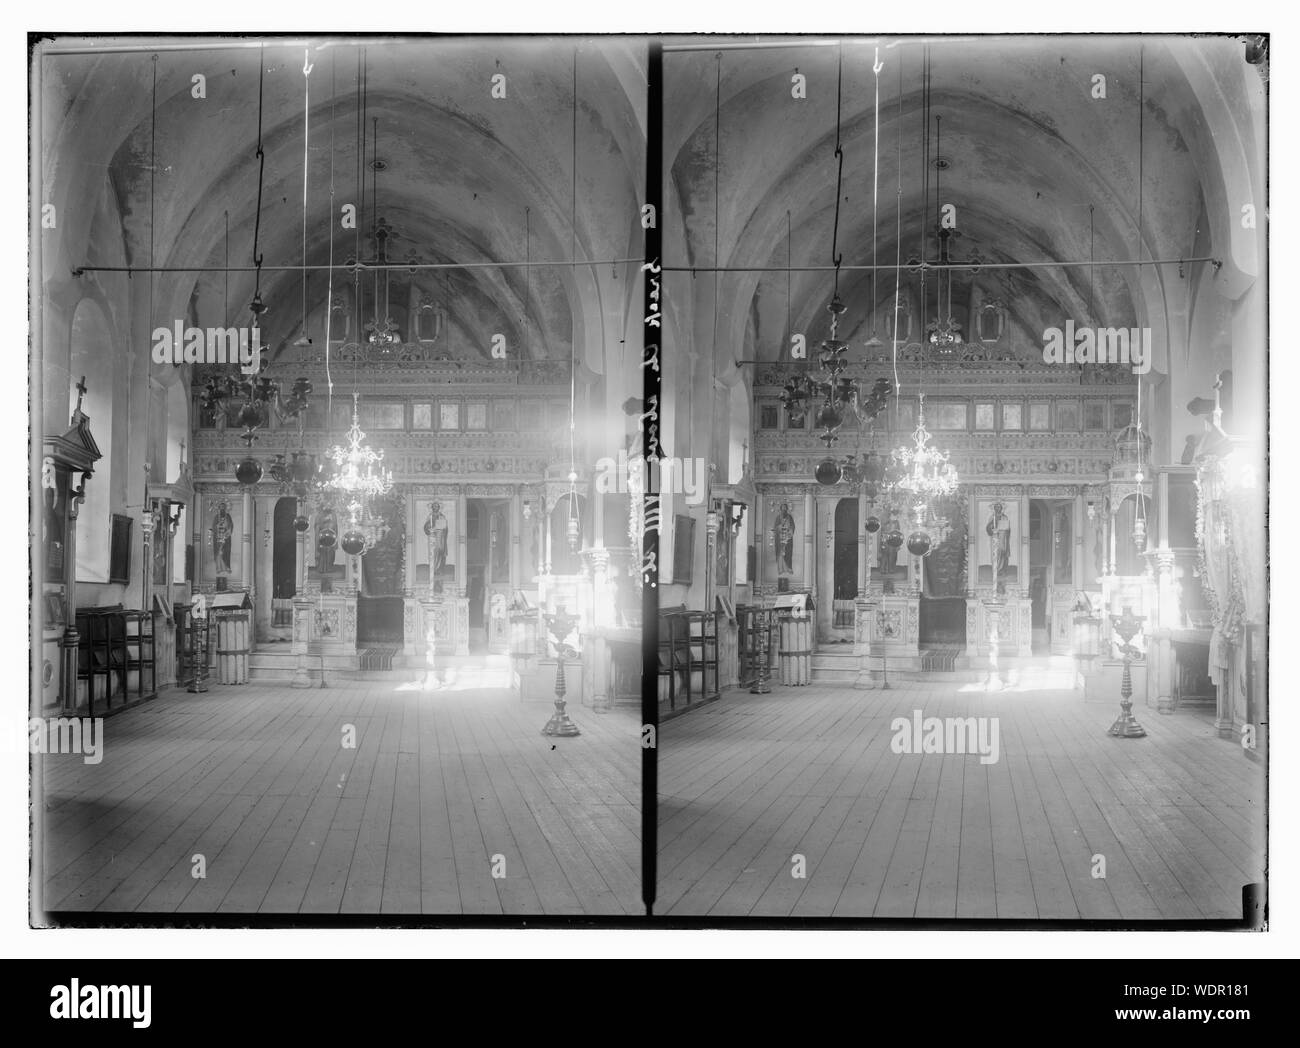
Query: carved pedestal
(335, 626)
(863, 613)
(886, 636)
(304, 613)
(444, 623)
(1001, 626)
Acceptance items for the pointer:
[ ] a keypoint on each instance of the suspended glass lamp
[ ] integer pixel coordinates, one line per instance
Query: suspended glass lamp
(920, 470)
(358, 471)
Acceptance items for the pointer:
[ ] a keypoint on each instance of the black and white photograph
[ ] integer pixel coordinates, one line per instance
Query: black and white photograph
(342, 329)
(728, 480)
(991, 659)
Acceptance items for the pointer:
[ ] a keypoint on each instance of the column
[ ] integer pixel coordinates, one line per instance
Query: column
(863, 567)
(1162, 654)
(458, 612)
(1162, 507)
(972, 548)
(248, 540)
(544, 553)
(147, 523)
(71, 638)
(824, 617)
(1080, 518)
(196, 540)
(413, 536)
(1022, 573)
(809, 547)
(300, 558)
(516, 541)
(760, 543)
(1110, 538)
(462, 544)
(711, 525)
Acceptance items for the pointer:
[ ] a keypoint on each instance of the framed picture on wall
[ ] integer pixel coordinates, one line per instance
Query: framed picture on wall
(222, 559)
(119, 557)
(683, 547)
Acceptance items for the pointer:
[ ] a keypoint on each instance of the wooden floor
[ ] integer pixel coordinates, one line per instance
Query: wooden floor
(256, 779)
(751, 781)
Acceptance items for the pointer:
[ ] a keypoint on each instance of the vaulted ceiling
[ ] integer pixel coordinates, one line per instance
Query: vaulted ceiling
(464, 176)
(1037, 168)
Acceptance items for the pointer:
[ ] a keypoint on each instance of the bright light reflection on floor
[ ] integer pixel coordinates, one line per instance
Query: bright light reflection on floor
(1014, 681)
(465, 674)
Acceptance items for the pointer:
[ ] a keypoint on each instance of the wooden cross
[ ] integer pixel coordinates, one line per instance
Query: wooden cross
(81, 392)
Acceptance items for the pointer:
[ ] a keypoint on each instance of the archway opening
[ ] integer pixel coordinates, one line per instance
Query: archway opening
(845, 571)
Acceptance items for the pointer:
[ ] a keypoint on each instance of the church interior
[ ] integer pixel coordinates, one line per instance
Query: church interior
(340, 515)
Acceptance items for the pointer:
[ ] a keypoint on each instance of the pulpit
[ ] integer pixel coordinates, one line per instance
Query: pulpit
(887, 634)
(67, 462)
(998, 626)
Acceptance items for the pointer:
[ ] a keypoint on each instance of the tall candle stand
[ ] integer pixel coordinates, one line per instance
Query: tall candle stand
(560, 625)
(1126, 627)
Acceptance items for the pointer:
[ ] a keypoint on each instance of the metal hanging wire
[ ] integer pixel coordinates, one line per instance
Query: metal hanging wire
(717, 199)
(575, 520)
(153, 174)
(307, 67)
(876, 67)
(528, 278)
(836, 257)
(898, 239)
(329, 287)
(256, 306)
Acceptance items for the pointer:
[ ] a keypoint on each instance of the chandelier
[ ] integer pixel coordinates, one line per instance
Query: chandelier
(357, 474)
(920, 470)
(837, 395)
(922, 474)
(834, 394)
(252, 398)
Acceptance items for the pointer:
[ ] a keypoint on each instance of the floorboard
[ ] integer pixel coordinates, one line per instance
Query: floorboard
(364, 797)
(751, 781)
